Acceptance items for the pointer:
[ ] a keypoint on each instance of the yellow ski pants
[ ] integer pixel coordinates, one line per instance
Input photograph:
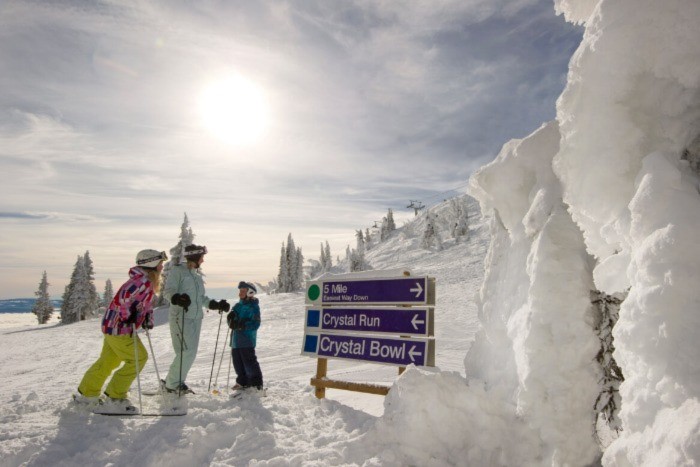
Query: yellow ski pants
(115, 350)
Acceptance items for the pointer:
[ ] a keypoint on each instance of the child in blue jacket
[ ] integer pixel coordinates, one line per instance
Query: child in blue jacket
(244, 320)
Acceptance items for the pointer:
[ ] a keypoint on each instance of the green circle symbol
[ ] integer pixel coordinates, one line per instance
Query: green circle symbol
(314, 292)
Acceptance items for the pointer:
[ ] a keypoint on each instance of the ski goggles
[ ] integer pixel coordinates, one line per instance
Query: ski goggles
(160, 257)
(197, 251)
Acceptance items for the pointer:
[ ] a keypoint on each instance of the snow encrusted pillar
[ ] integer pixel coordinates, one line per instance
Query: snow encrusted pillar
(629, 111)
(537, 347)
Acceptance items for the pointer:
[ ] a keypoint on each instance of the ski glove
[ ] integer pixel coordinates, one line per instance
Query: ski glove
(181, 299)
(238, 324)
(133, 313)
(232, 320)
(148, 322)
(221, 305)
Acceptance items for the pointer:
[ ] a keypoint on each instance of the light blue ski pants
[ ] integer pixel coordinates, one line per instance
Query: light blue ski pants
(186, 351)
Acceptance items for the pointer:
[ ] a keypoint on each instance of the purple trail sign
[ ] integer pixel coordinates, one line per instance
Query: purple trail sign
(379, 291)
(388, 351)
(385, 320)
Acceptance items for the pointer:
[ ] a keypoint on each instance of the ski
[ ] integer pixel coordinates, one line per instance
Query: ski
(248, 392)
(166, 394)
(146, 414)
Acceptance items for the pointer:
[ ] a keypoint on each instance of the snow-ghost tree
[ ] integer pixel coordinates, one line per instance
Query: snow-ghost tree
(431, 236)
(384, 229)
(356, 257)
(388, 226)
(460, 223)
(43, 309)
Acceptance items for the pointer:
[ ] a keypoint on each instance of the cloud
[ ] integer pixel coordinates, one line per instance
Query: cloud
(21, 215)
(372, 103)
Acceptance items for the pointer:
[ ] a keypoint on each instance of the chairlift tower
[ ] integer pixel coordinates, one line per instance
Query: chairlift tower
(415, 207)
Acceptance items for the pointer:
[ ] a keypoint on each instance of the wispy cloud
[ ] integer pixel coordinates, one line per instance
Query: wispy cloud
(371, 103)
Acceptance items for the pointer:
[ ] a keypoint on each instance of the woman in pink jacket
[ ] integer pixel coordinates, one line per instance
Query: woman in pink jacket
(131, 306)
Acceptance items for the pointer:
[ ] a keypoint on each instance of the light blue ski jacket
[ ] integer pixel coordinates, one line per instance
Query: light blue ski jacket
(183, 280)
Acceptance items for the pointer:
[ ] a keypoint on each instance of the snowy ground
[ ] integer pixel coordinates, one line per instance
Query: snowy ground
(40, 366)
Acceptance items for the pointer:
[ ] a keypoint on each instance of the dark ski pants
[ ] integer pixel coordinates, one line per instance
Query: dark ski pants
(247, 368)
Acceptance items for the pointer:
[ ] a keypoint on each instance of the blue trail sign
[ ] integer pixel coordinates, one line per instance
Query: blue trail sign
(389, 351)
(379, 291)
(384, 320)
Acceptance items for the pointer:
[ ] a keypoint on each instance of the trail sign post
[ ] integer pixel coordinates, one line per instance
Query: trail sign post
(384, 320)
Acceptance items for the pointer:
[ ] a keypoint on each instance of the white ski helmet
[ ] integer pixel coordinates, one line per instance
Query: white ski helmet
(251, 290)
(150, 258)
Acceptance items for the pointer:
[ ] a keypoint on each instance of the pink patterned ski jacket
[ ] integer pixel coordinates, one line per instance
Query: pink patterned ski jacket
(136, 293)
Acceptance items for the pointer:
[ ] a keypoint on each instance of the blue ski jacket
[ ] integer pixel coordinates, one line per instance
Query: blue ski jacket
(247, 313)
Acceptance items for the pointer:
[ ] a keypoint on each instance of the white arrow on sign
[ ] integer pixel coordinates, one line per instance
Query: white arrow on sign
(412, 353)
(415, 321)
(418, 290)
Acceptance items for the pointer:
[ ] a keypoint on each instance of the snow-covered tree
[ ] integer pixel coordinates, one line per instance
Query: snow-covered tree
(368, 239)
(108, 294)
(460, 222)
(329, 258)
(431, 236)
(77, 299)
(322, 259)
(384, 230)
(177, 253)
(299, 276)
(292, 264)
(94, 299)
(319, 267)
(356, 257)
(43, 309)
(391, 225)
(359, 237)
(291, 273)
(283, 275)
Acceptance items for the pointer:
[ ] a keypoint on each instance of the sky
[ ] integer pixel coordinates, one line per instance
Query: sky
(114, 122)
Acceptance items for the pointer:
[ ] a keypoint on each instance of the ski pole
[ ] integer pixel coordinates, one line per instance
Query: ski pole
(182, 345)
(136, 364)
(153, 356)
(221, 315)
(228, 377)
(221, 359)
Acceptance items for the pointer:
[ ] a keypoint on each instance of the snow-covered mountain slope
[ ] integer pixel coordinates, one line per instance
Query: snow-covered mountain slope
(40, 366)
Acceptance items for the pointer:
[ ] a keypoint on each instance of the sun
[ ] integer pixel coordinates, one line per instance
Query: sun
(234, 110)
